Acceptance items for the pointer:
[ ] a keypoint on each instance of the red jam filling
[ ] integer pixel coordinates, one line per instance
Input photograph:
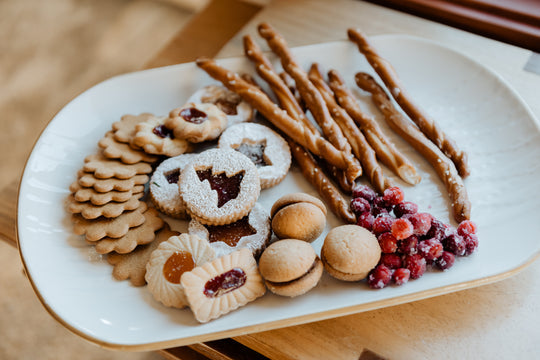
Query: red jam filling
(172, 176)
(228, 107)
(163, 132)
(255, 152)
(232, 233)
(225, 283)
(177, 264)
(226, 187)
(194, 115)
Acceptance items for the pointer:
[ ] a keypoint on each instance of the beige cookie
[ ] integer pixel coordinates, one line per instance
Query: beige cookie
(140, 235)
(124, 130)
(111, 184)
(197, 122)
(155, 138)
(109, 210)
(113, 149)
(169, 261)
(223, 285)
(105, 168)
(99, 228)
(132, 266)
(83, 194)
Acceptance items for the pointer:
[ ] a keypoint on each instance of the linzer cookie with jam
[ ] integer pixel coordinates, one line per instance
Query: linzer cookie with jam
(251, 232)
(223, 285)
(266, 148)
(220, 186)
(197, 122)
(169, 261)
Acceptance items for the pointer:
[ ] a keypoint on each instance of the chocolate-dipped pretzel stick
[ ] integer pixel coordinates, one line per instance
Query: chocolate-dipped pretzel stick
(361, 148)
(312, 98)
(384, 148)
(429, 127)
(260, 101)
(443, 166)
(315, 175)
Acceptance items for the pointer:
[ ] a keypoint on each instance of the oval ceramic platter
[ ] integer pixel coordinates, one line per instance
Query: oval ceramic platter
(471, 103)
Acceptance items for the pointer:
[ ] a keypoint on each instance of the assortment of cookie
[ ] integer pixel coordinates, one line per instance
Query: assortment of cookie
(148, 169)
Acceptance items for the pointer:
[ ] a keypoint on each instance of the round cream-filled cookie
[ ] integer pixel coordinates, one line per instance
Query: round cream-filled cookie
(349, 252)
(219, 186)
(252, 232)
(163, 188)
(290, 267)
(172, 258)
(197, 122)
(266, 148)
(236, 109)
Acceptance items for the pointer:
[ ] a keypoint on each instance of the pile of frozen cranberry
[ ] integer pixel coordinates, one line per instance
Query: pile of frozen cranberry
(410, 240)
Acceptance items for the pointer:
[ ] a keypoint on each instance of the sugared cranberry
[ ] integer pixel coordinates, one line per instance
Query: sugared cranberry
(416, 265)
(437, 230)
(365, 220)
(378, 207)
(360, 205)
(421, 223)
(445, 261)
(382, 224)
(364, 192)
(405, 207)
(402, 229)
(401, 276)
(430, 249)
(388, 243)
(455, 244)
(393, 196)
(379, 277)
(391, 261)
(408, 246)
(471, 243)
(466, 227)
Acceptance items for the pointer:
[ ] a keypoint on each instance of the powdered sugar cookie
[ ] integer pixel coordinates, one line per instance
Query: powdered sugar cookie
(169, 261)
(236, 109)
(252, 232)
(197, 122)
(164, 186)
(219, 186)
(155, 138)
(223, 285)
(266, 148)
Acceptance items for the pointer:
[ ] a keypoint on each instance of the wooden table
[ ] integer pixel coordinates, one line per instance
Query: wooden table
(499, 320)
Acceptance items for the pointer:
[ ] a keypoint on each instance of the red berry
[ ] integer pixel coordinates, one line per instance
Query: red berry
(471, 243)
(393, 196)
(402, 229)
(401, 276)
(405, 207)
(408, 246)
(466, 227)
(388, 243)
(365, 220)
(382, 224)
(416, 265)
(391, 261)
(364, 192)
(430, 249)
(379, 206)
(379, 277)
(437, 230)
(360, 205)
(445, 261)
(455, 244)
(421, 223)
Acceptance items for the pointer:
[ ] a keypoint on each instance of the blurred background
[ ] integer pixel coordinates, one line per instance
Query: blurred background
(51, 51)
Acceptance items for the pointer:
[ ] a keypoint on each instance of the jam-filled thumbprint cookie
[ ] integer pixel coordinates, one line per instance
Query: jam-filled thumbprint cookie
(197, 122)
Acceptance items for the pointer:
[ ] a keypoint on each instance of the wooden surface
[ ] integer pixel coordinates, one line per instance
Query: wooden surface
(480, 319)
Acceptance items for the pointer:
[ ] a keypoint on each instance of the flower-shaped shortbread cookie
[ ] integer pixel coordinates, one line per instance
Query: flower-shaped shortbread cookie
(155, 138)
(197, 122)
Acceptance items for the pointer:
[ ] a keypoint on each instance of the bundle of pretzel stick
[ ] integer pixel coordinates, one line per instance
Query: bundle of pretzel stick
(342, 140)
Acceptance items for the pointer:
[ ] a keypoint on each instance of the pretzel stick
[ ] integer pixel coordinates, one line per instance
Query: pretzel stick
(359, 144)
(443, 166)
(427, 125)
(314, 174)
(312, 98)
(260, 101)
(384, 148)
